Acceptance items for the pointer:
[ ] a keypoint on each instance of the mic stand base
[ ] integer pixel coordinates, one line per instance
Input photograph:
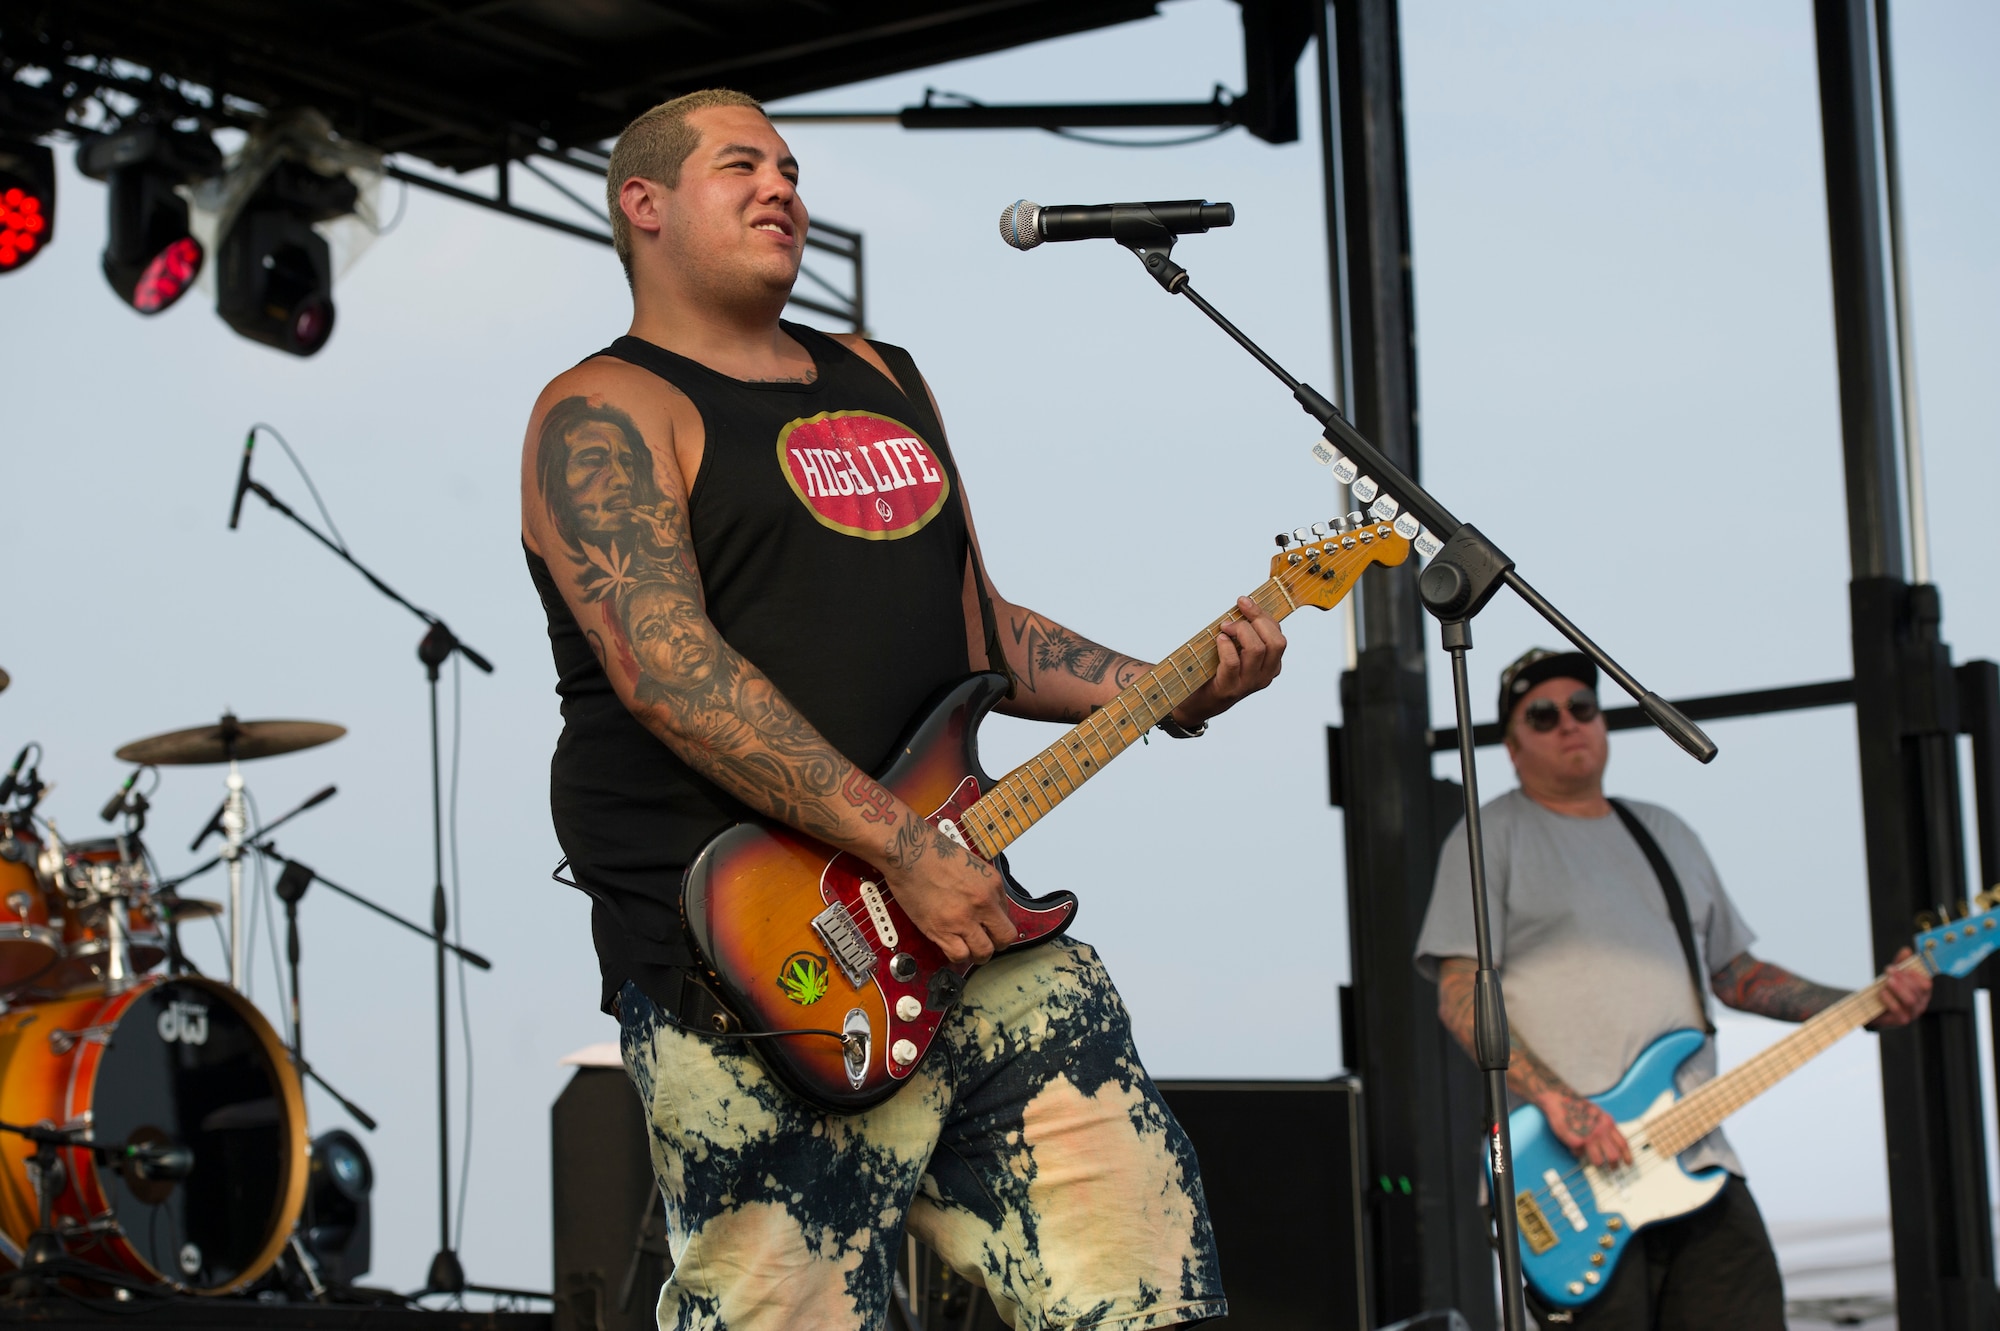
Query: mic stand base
(446, 1276)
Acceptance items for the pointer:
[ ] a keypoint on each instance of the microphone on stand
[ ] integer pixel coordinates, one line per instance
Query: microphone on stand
(116, 804)
(242, 478)
(1025, 225)
(12, 781)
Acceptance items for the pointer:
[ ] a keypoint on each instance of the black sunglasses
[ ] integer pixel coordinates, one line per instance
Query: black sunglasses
(1542, 716)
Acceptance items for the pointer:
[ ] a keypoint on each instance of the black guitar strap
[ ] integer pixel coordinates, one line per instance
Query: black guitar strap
(904, 368)
(1670, 886)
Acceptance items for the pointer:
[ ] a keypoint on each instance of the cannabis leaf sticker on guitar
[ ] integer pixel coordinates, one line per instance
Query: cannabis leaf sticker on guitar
(803, 977)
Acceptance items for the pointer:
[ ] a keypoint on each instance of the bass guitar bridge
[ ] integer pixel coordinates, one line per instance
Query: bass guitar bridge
(849, 946)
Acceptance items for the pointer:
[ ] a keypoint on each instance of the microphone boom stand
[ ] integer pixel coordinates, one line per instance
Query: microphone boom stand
(447, 1274)
(1464, 573)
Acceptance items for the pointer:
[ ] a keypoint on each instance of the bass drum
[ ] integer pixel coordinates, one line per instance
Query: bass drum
(178, 1060)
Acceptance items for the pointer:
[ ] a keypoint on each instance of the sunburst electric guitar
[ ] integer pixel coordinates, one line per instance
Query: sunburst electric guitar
(798, 937)
(1578, 1219)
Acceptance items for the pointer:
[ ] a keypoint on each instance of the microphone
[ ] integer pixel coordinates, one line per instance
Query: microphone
(1025, 225)
(242, 478)
(164, 1162)
(12, 781)
(116, 803)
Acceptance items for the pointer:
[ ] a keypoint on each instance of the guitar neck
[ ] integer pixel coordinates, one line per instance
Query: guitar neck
(1699, 1113)
(1019, 800)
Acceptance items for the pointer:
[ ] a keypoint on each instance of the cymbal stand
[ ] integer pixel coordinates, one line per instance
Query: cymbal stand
(235, 822)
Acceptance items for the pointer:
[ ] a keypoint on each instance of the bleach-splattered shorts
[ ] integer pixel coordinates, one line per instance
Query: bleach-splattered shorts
(1030, 1150)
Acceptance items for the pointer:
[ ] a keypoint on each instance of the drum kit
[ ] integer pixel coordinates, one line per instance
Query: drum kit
(152, 1122)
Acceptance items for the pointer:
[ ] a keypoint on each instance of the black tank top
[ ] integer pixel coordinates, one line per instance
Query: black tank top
(831, 540)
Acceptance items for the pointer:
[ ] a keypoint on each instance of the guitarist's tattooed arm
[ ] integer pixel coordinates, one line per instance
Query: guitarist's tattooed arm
(605, 507)
(1579, 1124)
(1769, 990)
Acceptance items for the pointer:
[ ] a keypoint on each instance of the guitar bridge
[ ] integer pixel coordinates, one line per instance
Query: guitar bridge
(844, 939)
(1535, 1227)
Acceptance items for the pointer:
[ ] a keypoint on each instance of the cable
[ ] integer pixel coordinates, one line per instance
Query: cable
(1182, 142)
(325, 516)
(458, 937)
(1100, 141)
(402, 203)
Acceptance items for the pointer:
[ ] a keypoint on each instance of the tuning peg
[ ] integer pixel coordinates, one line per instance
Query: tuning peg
(1338, 525)
(1284, 541)
(1299, 534)
(1356, 518)
(1318, 530)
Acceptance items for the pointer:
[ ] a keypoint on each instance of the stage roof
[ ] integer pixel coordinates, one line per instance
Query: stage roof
(466, 83)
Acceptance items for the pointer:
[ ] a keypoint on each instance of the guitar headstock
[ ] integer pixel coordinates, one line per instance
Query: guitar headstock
(1318, 565)
(1956, 947)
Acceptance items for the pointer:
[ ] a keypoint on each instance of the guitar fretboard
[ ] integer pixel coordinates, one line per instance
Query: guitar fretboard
(1690, 1119)
(1019, 800)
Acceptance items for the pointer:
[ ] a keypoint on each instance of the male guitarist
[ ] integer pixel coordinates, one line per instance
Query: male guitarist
(753, 548)
(1594, 969)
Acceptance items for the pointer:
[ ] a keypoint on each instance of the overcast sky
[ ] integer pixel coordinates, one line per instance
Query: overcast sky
(1626, 367)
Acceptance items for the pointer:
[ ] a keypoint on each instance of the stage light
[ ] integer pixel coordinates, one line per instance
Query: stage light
(27, 201)
(275, 273)
(150, 259)
(336, 1217)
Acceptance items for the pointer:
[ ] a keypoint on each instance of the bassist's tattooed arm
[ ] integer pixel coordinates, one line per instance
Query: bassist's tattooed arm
(602, 503)
(1581, 1125)
(1750, 985)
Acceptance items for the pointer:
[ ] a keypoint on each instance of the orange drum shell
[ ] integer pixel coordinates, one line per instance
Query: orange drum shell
(38, 1085)
(29, 941)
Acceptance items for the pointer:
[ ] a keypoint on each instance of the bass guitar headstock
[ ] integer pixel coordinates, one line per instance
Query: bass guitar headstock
(1317, 565)
(1955, 947)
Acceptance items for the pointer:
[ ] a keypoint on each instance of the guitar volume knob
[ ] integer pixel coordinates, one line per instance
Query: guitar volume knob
(904, 1052)
(903, 966)
(908, 1008)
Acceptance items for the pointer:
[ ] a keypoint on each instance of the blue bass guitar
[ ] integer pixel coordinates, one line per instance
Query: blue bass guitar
(1577, 1219)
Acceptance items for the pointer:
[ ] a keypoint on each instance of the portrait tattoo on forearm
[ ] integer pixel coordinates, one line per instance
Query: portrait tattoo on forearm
(628, 546)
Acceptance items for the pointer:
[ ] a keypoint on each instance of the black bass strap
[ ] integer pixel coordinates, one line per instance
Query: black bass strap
(1670, 886)
(903, 368)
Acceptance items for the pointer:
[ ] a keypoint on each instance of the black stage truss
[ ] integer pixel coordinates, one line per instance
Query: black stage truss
(470, 83)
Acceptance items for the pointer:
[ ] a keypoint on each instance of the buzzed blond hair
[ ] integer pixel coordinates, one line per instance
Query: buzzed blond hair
(654, 147)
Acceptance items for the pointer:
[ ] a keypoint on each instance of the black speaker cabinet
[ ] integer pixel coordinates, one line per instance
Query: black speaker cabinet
(1281, 1167)
(610, 1240)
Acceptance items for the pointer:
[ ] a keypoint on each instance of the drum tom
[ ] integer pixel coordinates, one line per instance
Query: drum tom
(180, 1060)
(30, 939)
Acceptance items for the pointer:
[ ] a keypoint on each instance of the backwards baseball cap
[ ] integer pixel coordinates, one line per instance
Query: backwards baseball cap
(1538, 665)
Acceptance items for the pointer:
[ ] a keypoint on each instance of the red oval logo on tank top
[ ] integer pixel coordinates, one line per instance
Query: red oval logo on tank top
(862, 474)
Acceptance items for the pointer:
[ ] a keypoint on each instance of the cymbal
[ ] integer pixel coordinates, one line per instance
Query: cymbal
(228, 738)
(180, 908)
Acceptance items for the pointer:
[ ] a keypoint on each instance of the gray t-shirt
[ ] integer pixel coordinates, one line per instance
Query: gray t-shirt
(1590, 965)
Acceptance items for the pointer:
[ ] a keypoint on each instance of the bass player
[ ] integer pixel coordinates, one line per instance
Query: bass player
(1593, 970)
(752, 544)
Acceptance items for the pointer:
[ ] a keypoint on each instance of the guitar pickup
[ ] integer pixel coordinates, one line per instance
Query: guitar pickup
(844, 939)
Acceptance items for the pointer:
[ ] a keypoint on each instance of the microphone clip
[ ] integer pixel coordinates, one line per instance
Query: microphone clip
(1158, 257)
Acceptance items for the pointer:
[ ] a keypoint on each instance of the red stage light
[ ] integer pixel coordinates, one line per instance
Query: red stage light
(27, 202)
(170, 274)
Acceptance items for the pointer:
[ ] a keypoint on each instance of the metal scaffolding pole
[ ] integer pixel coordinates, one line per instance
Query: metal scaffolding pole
(1427, 1235)
(1906, 718)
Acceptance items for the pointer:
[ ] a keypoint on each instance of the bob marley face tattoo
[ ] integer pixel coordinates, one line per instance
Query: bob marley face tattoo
(596, 476)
